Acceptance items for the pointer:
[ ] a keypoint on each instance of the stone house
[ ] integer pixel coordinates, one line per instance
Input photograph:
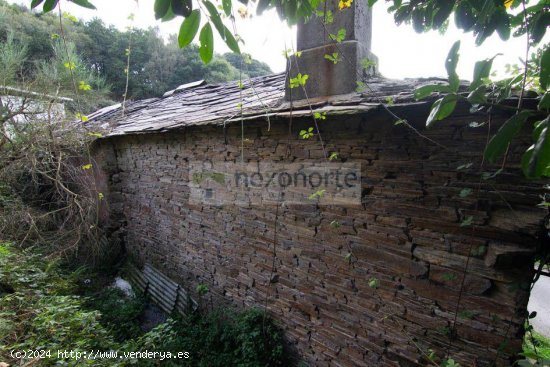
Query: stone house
(432, 256)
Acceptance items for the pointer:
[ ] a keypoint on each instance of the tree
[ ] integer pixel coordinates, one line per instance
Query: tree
(155, 66)
(252, 68)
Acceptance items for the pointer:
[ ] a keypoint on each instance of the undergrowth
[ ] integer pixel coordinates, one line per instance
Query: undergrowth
(43, 306)
(536, 349)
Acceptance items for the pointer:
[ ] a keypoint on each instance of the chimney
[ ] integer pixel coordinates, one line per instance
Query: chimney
(327, 78)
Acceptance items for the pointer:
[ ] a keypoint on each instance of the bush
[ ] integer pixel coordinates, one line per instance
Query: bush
(536, 349)
(40, 313)
(220, 338)
(40, 310)
(119, 313)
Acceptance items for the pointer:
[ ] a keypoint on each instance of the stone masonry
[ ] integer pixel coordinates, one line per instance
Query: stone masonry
(406, 235)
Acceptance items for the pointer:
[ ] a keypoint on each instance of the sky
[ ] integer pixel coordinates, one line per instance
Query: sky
(401, 52)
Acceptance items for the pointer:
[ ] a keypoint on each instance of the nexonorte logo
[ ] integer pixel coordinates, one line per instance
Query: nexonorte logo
(263, 183)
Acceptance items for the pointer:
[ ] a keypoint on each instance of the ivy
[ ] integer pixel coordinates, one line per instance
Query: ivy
(320, 115)
(306, 134)
(328, 16)
(83, 86)
(202, 289)
(367, 63)
(299, 81)
(374, 283)
(334, 58)
(317, 195)
(339, 36)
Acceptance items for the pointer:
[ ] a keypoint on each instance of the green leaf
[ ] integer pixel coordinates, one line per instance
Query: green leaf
(83, 3)
(442, 108)
(367, 63)
(449, 363)
(478, 96)
(464, 16)
(499, 143)
(539, 162)
(35, 3)
(230, 41)
(545, 69)
(506, 91)
(181, 7)
(448, 277)
(442, 13)
(225, 33)
(348, 257)
(418, 19)
(49, 5)
(501, 19)
(486, 21)
(450, 64)
(374, 283)
(339, 36)
(299, 80)
(161, 8)
(467, 221)
(168, 16)
(426, 90)
(213, 12)
(226, 4)
(334, 58)
(206, 40)
(537, 130)
(189, 28)
(465, 192)
(482, 70)
(371, 2)
(544, 103)
(539, 26)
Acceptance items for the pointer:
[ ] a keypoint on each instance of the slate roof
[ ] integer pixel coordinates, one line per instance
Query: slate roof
(262, 97)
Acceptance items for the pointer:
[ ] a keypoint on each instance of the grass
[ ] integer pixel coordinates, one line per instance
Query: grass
(536, 348)
(49, 307)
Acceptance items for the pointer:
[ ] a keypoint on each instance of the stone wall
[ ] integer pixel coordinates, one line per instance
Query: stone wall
(406, 235)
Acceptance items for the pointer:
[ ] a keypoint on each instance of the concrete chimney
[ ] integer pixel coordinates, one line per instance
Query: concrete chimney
(314, 42)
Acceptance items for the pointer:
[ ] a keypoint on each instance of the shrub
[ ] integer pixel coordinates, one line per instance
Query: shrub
(41, 311)
(219, 338)
(119, 313)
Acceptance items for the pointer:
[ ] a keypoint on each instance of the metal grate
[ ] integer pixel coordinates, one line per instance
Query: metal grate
(163, 291)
